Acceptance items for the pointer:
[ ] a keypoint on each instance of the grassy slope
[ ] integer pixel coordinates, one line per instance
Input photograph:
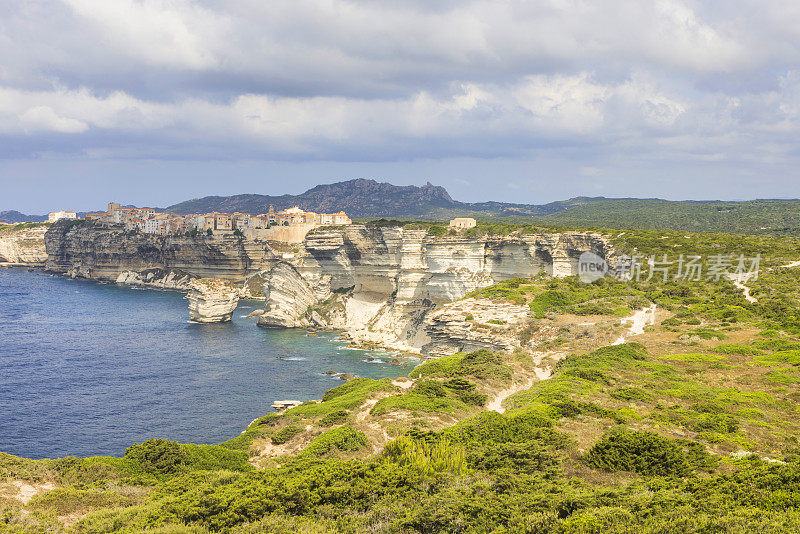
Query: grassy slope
(650, 436)
(756, 217)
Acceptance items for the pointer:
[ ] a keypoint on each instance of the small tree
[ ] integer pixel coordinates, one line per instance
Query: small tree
(209, 232)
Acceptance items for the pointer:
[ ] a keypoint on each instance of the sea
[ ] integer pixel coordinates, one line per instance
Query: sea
(89, 369)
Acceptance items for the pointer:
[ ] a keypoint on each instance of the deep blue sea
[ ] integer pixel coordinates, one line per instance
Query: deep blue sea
(89, 369)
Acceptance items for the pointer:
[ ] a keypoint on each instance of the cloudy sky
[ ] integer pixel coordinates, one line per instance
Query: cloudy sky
(156, 101)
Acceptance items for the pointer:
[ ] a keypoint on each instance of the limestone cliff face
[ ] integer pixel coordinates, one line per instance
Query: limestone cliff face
(107, 252)
(288, 298)
(158, 278)
(474, 324)
(381, 283)
(212, 300)
(25, 246)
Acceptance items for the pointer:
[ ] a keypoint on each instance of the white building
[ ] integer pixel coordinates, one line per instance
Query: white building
(463, 223)
(57, 215)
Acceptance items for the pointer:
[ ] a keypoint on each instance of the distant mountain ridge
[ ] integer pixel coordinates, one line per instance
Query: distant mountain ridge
(369, 198)
(13, 216)
(362, 198)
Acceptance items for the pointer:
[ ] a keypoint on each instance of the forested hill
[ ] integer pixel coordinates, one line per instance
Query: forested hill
(775, 217)
(370, 199)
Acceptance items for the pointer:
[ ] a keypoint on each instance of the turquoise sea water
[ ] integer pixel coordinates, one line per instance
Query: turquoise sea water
(89, 369)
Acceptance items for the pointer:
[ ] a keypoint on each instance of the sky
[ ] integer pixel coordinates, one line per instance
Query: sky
(151, 102)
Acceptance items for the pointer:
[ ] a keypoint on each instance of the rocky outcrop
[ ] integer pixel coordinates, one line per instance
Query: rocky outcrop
(104, 251)
(212, 300)
(380, 284)
(473, 324)
(288, 298)
(23, 246)
(157, 278)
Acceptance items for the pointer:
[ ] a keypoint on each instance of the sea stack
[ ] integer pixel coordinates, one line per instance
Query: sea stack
(212, 300)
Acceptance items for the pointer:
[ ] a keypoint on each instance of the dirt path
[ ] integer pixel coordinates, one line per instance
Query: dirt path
(496, 404)
(540, 373)
(25, 491)
(740, 279)
(638, 321)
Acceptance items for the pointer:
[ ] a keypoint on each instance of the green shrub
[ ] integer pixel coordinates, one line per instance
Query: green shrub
(736, 348)
(348, 396)
(441, 456)
(551, 300)
(214, 457)
(63, 501)
(592, 375)
(438, 367)
(646, 453)
(157, 456)
(716, 422)
(712, 407)
(412, 401)
(573, 408)
(693, 357)
(285, 434)
(631, 394)
(334, 418)
(776, 344)
(430, 388)
(482, 364)
(459, 384)
(473, 398)
(494, 427)
(525, 457)
(255, 430)
(341, 439)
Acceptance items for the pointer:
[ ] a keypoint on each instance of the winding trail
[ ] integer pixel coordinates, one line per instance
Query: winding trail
(496, 403)
(638, 320)
(540, 373)
(740, 279)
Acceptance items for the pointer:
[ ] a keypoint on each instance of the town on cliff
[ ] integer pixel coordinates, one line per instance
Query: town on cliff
(289, 225)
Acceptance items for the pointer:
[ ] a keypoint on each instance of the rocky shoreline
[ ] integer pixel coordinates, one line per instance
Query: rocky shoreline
(392, 287)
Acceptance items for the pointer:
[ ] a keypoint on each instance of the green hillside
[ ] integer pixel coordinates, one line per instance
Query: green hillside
(769, 217)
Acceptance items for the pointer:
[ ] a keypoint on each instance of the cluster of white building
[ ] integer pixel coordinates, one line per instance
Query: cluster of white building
(150, 221)
(58, 215)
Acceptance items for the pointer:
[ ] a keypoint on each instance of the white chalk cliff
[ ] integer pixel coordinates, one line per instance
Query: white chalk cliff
(212, 300)
(23, 246)
(381, 283)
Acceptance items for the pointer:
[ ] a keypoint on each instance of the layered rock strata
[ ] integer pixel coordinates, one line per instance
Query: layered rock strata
(104, 251)
(212, 300)
(381, 284)
(24, 246)
(157, 278)
(473, 324)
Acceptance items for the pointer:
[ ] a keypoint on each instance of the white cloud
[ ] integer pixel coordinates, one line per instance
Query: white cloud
(175, 33)
(660, 81)
(45, 119)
